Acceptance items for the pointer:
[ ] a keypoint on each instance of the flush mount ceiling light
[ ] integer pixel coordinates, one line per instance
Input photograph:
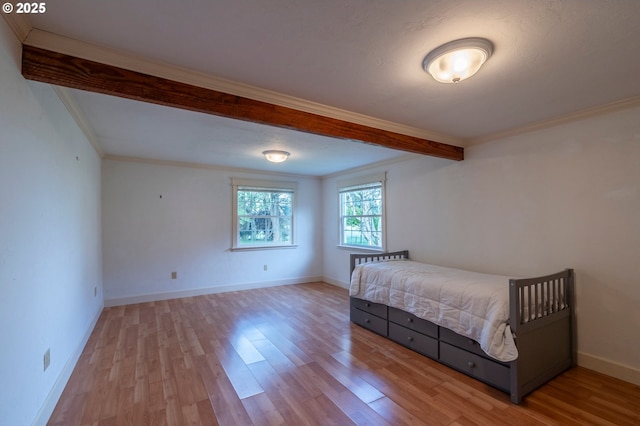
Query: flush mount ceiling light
(457, 60)
(276, 156)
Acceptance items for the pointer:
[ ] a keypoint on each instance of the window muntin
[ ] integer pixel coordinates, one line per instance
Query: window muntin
(362, 215)
(263, 214)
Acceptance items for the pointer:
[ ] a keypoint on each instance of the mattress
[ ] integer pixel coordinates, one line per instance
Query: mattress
(472, 304)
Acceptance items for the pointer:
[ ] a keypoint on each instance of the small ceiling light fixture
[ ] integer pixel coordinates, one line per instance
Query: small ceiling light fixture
(457, 60)
(276, 156)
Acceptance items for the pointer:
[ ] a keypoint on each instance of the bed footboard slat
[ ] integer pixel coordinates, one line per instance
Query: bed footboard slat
(542, 322)
(533, 299)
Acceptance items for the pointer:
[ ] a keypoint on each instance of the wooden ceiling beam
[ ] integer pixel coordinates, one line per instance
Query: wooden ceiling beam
(63, 70)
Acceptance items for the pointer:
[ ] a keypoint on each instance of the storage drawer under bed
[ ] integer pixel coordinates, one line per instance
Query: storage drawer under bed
(369, 321)
(413, 340)
(373, 308)
(493, 373)
(460, 341)
(405, 319)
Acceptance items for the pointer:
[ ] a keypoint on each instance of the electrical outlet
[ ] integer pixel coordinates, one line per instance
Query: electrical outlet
(174, 275)
(47, 359)
(265, 267)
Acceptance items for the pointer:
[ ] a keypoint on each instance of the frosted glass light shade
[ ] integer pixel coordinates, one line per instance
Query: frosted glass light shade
(457, 60)
(276, 156)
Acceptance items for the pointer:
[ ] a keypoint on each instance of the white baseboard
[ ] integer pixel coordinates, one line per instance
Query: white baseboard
(56, 391)
(337, 283)
(610, 368)
(154, 297)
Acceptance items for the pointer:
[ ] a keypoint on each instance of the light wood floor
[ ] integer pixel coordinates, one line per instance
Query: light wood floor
(289, 355)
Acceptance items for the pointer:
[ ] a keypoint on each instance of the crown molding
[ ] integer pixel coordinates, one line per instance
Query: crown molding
(191, 165)
(372, 166)
(19, 24)
(107, 56)
(78, 116)
(583, 114)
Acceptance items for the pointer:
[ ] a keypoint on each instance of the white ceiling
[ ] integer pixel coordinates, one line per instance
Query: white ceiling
(551, 59)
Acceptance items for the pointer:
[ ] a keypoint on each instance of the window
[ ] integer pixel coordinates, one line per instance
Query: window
(263, 214)
(362, 212)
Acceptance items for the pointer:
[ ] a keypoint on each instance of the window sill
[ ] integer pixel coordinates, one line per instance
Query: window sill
(360, 248)
(253, 248)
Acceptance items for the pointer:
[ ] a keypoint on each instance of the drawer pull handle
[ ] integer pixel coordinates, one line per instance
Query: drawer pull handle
(409, 319)
(367, 305)
(367, 320)
(410, 339)
(471, 364)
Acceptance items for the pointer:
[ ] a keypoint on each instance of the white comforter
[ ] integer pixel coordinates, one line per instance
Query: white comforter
(471, 304)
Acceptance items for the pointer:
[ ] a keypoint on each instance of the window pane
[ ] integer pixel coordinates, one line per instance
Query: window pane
(264, 217)
(284, 227)
(246, 237)
(361, 222)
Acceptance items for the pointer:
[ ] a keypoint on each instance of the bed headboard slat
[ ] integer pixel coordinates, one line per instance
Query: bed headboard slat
(359, 258)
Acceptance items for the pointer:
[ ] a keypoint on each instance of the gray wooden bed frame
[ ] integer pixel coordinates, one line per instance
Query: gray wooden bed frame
(546, 344)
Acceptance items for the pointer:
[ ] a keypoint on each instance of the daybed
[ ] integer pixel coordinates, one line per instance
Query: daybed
(513, 334)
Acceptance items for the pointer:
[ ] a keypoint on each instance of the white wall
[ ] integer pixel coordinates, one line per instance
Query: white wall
(188, 231)
(50, 250)
(567, 196)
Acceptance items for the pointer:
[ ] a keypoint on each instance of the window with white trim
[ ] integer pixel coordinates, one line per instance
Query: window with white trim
(362, 212)
(263, 213)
